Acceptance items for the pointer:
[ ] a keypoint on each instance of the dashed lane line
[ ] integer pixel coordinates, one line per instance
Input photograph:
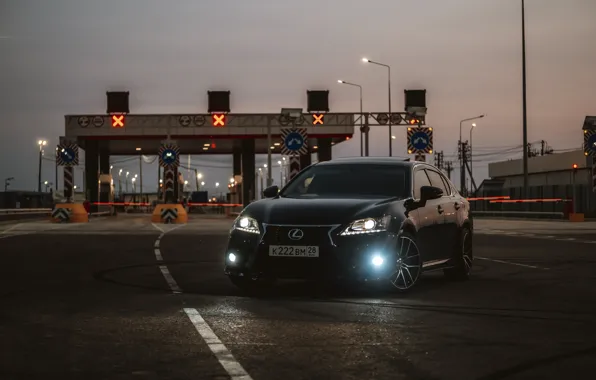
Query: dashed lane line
(163, 268)
(510, 263)
(221, 352)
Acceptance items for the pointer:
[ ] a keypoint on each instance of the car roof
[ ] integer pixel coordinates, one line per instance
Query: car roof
(398, 161)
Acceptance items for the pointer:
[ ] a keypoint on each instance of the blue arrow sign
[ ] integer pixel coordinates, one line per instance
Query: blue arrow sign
(294, 141)
(169, 156)
(420, 140)
(591, 146)
(67, 155)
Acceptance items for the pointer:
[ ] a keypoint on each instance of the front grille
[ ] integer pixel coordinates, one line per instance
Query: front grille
(311, 235)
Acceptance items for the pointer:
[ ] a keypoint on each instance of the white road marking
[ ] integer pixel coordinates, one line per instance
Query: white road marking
(170, 280)
(158, 228)
(164, 269)
(510, 263)
(11, 228)
(223, 355)
(158, 254)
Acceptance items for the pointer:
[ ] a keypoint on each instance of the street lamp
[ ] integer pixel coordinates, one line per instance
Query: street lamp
(41, 144)
(462, 180)
(232, 180)
(199, 175)
(216, 184)
(203, 183)
(7, 183)
(389, 88)
(361, 115)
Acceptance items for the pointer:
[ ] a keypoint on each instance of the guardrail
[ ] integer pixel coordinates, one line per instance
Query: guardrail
(6, 211)
(24, 213)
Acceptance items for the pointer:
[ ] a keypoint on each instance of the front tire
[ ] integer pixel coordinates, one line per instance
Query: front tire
(463, 257)
(408, 263)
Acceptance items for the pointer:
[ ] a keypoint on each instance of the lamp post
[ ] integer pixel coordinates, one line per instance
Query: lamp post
(41, 144)
(524, 106)
(361, 115)
(471, 165)
(389, 88)
(462, 179)
(7, 183)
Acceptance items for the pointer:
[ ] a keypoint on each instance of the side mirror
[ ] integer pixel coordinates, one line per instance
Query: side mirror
(428, 193)
(271, 192)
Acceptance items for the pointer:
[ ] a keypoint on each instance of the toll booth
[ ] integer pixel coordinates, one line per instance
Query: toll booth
(106, 194)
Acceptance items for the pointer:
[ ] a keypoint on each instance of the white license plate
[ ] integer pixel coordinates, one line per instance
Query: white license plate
(293, 251)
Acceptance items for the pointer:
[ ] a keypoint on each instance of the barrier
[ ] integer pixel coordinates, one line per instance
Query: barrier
(20, 214)
(69, 213)
(169, 213)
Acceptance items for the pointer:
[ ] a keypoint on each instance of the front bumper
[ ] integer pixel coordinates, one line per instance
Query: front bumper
(356, 257)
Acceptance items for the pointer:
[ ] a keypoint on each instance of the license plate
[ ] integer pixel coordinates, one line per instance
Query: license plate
(293, 251)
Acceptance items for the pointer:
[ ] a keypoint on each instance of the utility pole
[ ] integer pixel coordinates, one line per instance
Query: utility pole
(439, 160)
(449, 169)
(462, 170)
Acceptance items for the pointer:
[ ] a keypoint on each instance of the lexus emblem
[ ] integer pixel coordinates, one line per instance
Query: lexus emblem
(295, 234)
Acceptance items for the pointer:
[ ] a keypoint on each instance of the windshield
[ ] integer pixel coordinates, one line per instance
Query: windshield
(358, 181)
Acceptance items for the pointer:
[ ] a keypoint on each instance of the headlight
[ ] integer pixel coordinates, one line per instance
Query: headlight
(367, 226)
(247, 224)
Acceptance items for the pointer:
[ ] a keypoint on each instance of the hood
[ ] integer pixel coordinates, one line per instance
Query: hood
(316, 210)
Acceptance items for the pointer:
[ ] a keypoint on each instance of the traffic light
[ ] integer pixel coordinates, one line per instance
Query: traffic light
(218, 119)
(318, 118)
(117, 121)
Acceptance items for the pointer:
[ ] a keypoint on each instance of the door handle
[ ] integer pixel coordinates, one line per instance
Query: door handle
(457, 205)
(440, 209)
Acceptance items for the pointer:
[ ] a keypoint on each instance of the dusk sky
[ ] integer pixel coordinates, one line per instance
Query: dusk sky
(59, 57)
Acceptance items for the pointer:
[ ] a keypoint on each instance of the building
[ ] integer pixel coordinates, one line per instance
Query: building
(563, 175)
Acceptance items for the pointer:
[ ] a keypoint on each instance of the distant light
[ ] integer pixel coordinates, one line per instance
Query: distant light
(205, 148)
(276, 144)
(365, 60)
(393, 137)
(273, 147)
(232, 257)
(138, 149)
(232, 180)
(340, 81)
(206, 144)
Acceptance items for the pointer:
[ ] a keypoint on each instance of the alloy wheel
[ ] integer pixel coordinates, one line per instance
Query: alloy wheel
(408, 265)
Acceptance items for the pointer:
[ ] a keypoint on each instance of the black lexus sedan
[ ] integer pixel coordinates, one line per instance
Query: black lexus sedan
(363, 219)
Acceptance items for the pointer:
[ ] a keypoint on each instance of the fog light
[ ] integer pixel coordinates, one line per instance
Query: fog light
(232, 257)
(377, 261)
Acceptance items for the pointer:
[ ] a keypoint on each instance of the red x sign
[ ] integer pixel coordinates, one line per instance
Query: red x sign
(219, 119)
(118, 121)
(318, 119)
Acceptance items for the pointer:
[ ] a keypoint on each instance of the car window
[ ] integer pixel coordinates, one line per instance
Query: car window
(420, 179)
(343, 180)
(436, 180)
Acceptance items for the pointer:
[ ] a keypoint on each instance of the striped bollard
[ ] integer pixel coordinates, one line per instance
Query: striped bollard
(294, 166)
(169, 183)
(68, 183)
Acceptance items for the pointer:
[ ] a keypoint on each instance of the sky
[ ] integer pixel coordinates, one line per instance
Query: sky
(60, 57)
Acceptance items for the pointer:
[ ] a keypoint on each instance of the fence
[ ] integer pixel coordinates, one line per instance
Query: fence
(584, 200)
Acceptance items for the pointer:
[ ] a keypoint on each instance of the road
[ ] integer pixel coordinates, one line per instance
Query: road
(120, 298)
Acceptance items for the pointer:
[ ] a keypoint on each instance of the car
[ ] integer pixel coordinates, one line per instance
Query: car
(354, 219)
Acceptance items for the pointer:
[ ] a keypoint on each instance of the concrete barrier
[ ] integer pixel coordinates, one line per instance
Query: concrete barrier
(169, 213)
(69, 213)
